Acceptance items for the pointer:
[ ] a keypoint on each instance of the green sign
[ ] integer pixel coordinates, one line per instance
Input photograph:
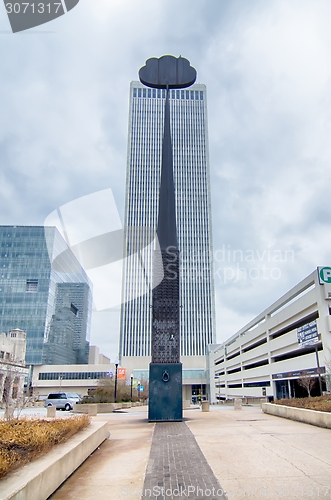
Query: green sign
(324, 274)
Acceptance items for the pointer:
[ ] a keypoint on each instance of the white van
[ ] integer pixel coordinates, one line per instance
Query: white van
(62, 400)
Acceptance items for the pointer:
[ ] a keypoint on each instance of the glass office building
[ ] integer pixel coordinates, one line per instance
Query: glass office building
(188, 111)
(51, 303)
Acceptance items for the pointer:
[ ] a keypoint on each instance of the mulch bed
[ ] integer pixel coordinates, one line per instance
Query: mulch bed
(319, 403)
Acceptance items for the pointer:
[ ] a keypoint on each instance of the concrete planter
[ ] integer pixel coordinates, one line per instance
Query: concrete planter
(117, 406)
(106, 407)
(313, 417)
(40, 478)
(103, 407)
(100, 407)
(238, 404)
(205, 406)
(92, 410)
(79, 408)
(51, 411)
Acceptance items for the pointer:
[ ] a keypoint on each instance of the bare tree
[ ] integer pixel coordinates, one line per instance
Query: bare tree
(105, 391)
(307, 382)
(13, 395)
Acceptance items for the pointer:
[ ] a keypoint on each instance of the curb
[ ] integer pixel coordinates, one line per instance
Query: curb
(40, 478)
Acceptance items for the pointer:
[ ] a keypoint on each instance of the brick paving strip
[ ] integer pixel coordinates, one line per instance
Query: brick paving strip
(177, 467)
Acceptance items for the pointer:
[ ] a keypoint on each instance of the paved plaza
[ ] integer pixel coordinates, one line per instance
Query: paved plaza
(243, 453)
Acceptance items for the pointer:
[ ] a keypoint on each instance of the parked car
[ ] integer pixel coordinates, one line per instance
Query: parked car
(62, 400)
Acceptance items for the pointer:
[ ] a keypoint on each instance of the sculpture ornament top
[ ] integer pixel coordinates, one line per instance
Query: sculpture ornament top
(167, 72)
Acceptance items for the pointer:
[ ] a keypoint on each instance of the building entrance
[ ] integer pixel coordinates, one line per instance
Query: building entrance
(282, 389)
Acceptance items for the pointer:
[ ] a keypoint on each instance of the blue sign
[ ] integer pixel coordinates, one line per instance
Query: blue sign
(141, 388)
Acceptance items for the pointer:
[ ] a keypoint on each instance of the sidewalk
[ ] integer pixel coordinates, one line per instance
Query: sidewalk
(252, 455)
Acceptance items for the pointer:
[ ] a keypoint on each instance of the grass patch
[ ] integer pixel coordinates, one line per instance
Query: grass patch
(22, 440)
(320, 403)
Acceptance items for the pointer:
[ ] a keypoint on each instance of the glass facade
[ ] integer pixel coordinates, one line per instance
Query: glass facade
(38, 299)
(74, 375)
(188, 111)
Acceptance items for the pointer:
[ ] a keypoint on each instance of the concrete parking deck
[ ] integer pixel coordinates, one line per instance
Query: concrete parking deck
(252, 456)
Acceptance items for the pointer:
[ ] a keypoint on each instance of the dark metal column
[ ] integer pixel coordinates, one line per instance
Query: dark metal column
(165, 372)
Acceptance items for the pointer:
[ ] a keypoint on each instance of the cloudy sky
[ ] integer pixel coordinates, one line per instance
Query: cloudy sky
(267, 65)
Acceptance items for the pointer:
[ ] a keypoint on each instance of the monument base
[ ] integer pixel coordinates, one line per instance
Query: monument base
(165, 392)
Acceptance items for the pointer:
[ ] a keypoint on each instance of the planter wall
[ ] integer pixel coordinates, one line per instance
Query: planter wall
(101, 407)
(104, 407)
(313, 417)
(41, 477)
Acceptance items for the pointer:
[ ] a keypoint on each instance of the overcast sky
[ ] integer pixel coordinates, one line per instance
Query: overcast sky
(267, 65)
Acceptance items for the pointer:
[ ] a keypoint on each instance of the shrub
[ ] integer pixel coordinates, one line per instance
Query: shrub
(319, 403)
(22, 440)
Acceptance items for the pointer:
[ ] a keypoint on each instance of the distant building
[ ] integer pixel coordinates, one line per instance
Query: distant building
(66, 342)
(70, 378)
(269, 355)
(12, 365)
(51, 302)
(95, 358)
(188, 115)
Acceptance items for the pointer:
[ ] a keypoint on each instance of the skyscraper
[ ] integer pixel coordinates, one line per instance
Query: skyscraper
(51, 303)
(188, 112)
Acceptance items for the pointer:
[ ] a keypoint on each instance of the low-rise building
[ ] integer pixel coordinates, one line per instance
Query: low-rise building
(290, 340)
(68, 378)
(71, 378)
(12, 365)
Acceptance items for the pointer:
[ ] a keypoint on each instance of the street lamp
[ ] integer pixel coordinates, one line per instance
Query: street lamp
(131, 378)
(115, 388)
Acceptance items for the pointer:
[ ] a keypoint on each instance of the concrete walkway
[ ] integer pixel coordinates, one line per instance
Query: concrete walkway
(250, 454)
(177, 466)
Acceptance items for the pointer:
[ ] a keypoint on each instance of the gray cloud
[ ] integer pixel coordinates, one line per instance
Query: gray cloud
(64, 110)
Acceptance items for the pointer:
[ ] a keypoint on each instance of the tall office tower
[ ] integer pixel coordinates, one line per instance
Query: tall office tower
(188, 114)
(52, 303)
(67, 332)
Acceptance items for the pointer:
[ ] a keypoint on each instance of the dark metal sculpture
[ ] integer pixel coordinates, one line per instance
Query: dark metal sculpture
(165, 374)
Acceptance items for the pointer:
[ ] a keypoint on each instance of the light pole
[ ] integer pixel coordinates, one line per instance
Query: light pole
(131, 378)
(115, 388)
(319, 372)
(219, 389)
